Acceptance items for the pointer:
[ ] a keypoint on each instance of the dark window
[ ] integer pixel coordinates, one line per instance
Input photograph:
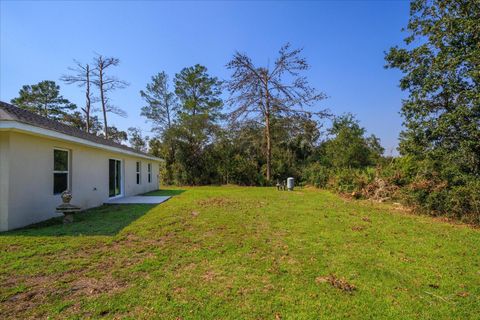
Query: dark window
(149, 172)
(138, 172)
(60, 161)
(60, 171)
(60, 182)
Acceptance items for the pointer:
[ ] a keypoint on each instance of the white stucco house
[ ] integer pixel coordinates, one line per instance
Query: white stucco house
(40, 158)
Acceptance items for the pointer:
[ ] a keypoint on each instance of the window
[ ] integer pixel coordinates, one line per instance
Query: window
(138, 172)
(60, 170)
(149, 172)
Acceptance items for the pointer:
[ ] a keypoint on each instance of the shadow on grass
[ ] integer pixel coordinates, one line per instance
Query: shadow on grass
(106, 220)
(165, 192)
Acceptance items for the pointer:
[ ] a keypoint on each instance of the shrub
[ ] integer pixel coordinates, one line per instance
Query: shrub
(429, 186)
(464, 201)
(349, 180)
(435, 187)
(316, 175)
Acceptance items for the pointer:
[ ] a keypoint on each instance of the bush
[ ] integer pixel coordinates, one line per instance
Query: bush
(349, 180)
(428, 186)
(464, 201)
(435, 187)
(316, 175)
(398, 171)
(441, 198)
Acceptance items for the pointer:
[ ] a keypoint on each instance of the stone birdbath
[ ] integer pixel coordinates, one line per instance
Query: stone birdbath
(66, 208)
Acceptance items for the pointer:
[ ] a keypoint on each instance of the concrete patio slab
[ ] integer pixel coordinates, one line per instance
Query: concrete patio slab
(138, 199)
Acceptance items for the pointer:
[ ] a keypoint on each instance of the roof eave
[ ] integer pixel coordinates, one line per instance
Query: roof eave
(17, 126)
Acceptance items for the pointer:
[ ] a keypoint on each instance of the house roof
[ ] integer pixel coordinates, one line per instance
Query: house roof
(9, 112)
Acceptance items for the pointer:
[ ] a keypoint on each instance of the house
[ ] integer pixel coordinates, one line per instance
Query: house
(40, 158)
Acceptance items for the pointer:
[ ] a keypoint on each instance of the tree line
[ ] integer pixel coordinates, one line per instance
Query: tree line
(271, 124)
(203, 138)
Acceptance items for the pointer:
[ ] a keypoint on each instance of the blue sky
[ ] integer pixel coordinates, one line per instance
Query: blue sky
(344, 42)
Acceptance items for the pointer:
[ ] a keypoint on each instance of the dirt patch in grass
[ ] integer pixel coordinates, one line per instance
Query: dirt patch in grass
(34, 294)
(133, 241)
(40, 289)
(92, 286)
(217, 202)
(78, 282)
(11, 248)
(209, 276)
(195, 214)
(358, 228)
(336, 282)
(179, 290)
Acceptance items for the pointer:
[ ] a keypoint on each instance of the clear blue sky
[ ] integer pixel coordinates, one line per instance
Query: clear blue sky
(344, 41)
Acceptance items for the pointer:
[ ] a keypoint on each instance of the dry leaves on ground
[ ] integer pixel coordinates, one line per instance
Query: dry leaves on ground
(336, 282)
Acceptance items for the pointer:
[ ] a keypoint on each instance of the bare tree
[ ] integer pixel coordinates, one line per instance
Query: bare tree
(105, 84)
(82, 77)
(265, 92)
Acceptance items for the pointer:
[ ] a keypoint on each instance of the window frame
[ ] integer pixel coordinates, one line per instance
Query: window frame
(149, 170)
(61, 171)
(138, 172)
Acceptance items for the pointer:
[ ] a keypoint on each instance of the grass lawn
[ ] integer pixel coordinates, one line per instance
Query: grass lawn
(242, 253)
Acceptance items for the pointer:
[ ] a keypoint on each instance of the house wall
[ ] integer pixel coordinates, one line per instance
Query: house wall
(31, 197)
(4, 179)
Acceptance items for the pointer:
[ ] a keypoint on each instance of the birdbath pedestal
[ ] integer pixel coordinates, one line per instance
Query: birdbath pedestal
(66, 208)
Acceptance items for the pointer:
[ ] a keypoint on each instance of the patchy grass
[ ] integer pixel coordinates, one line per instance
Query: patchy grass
(236, 253)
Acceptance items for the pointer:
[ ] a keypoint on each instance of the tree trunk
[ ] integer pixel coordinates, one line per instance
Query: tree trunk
(45, 108)
(104, 103)
(88, 102)
(269, 146)
(267, 130)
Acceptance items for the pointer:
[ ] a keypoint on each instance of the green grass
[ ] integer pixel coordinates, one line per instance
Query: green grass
(242, 253)
(105, 220)
(165, 192)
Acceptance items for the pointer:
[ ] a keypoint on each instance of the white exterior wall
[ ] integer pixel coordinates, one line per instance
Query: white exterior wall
(29, 171)
(4, 179)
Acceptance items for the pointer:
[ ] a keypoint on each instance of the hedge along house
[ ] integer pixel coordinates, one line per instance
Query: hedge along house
(40, 158)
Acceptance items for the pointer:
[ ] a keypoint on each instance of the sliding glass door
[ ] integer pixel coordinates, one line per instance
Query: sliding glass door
(114, 177)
